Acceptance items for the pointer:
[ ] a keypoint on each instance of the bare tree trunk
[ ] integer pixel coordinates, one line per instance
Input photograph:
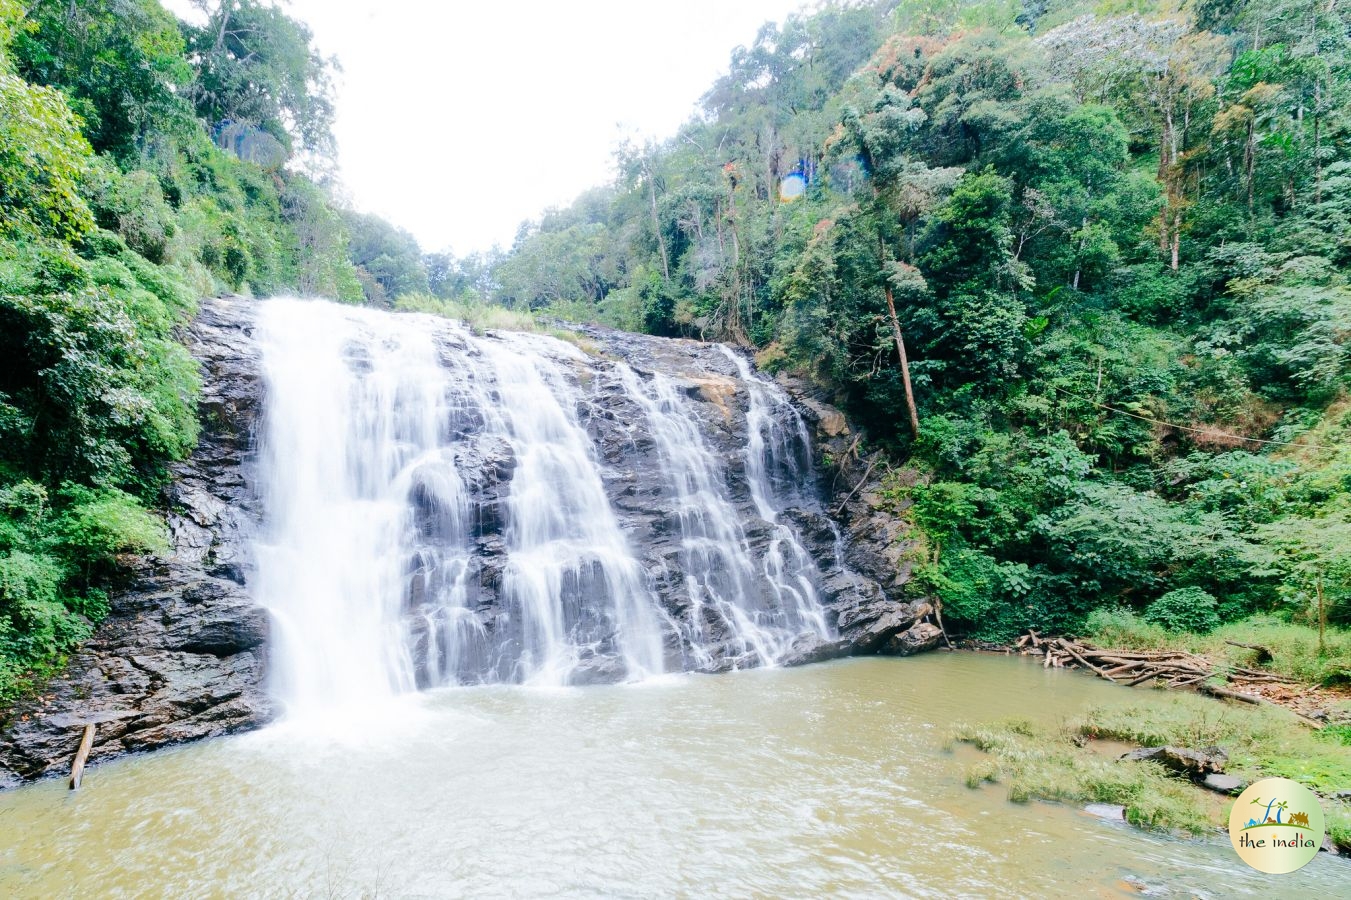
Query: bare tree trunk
(1177, 237)
(1077, 269)
(656, 225)
(905, 362)
(1250, 160)
(734, 322)
(1317, 160)
(1322, 616)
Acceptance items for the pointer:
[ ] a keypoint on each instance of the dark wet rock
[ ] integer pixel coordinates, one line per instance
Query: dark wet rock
(1196, 764)
(916, 639)
(860, 553)
(181, 656)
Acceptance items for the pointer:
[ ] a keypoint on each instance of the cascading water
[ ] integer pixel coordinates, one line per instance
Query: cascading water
(567, 553)
(353, 415)
(440, 510)
(778, 462)
(720, 574)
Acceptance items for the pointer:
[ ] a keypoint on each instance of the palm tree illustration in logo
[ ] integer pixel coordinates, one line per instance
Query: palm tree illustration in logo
(1297, 820)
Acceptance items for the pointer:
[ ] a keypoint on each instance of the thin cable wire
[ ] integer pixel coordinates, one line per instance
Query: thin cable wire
(1224, 434)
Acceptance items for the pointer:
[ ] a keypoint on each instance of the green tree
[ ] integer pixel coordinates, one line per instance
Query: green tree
(257, 66)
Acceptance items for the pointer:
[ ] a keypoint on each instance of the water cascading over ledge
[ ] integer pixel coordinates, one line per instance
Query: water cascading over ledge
(438, 522)
(442, 508)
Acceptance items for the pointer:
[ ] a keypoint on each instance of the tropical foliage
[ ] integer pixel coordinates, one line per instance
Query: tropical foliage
(143, 163)
(1110, 240)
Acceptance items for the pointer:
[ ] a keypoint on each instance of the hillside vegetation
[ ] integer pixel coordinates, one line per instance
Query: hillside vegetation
(1111, 242)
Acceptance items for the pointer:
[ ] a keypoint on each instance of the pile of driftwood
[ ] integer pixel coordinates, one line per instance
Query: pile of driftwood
(1174, 668)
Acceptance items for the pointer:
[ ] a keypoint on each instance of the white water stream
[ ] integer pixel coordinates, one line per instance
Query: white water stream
(378, 429)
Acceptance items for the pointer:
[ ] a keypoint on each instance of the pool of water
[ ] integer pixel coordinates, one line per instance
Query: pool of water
(822, 780)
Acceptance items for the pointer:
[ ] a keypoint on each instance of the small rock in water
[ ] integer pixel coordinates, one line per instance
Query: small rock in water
(1184, 760)
(1109, 811)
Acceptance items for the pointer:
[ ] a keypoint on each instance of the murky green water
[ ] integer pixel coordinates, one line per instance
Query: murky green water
(824, 780)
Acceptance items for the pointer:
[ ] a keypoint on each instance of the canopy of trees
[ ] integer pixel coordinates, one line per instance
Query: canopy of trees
(1110, 240)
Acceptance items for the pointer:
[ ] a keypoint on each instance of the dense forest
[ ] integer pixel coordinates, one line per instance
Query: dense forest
(1078, 269)
(1083, 266)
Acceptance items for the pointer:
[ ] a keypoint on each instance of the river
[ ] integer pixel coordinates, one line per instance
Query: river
(821, 780)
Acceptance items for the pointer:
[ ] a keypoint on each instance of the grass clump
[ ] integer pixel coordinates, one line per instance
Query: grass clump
(1038, 764)
(1262, 742)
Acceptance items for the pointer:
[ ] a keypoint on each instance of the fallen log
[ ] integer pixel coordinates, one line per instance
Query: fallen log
(1211, 690)
(81, 755)
(1148, 676)
(1177, 668)
(1070, 649)
(1263, 653)
(1227, 694)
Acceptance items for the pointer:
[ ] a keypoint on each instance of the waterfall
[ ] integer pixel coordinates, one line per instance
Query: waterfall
(720, 574)
(443, 507)
(353, 410)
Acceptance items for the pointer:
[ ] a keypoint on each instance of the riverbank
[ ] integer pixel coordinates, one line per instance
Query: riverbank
(1260, 660)
(1281, 725)
(1085, 760)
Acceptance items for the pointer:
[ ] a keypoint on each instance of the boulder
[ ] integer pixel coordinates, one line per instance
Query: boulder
(1224, 784)
(1196, 764)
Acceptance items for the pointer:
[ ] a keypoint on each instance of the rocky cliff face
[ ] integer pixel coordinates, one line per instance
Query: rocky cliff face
(183, 654)
(877, 546)
(858, 549)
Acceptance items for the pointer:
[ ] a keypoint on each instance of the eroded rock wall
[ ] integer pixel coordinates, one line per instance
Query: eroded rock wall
(182, 655)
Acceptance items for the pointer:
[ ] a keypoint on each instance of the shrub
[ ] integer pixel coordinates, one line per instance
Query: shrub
(97, 525)
(1184, 609)
(1117, 626)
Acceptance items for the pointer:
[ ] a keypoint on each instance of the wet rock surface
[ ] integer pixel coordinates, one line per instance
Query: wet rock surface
(859, 552)
(181, 656)
(1196, 764)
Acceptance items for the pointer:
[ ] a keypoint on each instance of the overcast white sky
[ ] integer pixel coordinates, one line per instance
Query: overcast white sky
(456, 120)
